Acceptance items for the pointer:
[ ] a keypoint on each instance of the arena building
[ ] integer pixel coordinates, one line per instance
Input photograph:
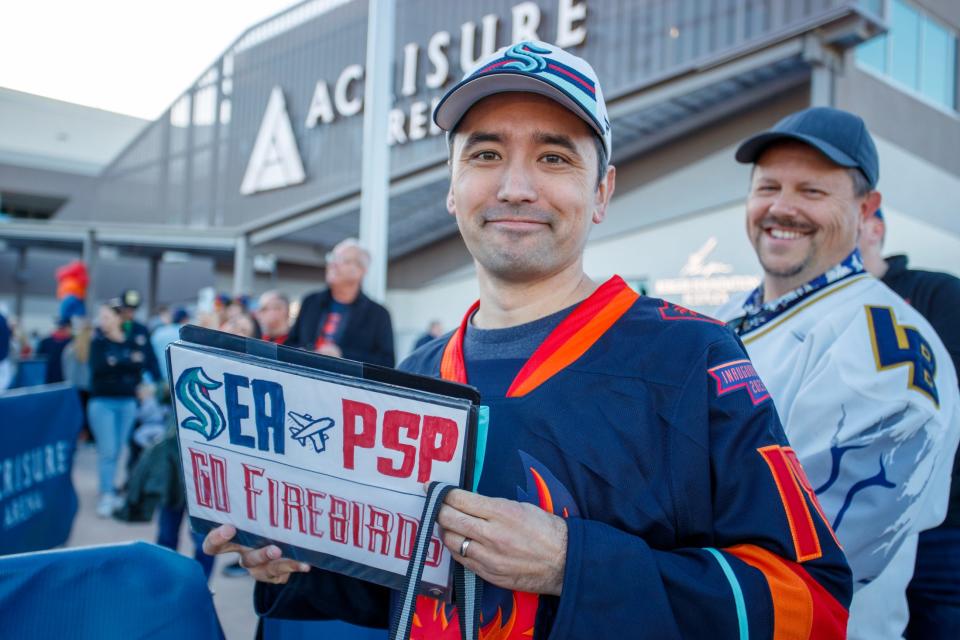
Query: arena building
(254, 173)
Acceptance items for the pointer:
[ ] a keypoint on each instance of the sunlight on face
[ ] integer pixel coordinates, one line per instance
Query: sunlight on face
(802, 214)
(524, 186)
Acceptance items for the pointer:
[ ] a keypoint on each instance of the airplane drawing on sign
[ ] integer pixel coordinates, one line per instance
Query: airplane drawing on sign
(310, 428)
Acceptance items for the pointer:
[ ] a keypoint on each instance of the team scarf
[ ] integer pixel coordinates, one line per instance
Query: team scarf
(759, 313)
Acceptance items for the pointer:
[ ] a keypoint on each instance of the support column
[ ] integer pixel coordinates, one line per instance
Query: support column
(821, 86)
(153, 278)
(89, 254)
(823, 63)
(375, 179)
(20, 281)
(242, 266)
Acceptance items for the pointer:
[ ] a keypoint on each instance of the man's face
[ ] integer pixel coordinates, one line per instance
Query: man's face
(345, 266)
(523, 186)
(273, 314)
(802, 214)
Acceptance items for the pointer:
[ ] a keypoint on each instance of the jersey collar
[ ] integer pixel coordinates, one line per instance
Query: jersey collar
(567, 342)
(758, 312)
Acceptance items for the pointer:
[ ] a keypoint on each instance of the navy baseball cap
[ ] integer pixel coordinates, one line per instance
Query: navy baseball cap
(839, 135)
(531, 67)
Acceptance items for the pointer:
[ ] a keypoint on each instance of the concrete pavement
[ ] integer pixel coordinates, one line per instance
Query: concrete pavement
(233, 597)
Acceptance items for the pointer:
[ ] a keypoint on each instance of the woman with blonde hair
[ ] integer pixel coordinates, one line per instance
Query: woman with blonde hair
(117, 363)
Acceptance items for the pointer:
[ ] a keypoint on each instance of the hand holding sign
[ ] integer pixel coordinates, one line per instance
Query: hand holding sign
(513, 545)
(264, 564)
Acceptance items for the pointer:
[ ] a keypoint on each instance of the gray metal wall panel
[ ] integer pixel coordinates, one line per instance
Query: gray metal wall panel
(630, 43)
(946, 10)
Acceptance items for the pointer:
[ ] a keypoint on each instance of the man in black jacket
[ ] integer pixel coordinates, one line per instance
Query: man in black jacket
(934, 593)
(341, 321)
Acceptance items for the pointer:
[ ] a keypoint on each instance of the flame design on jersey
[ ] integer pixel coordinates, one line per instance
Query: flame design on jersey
(506, 615)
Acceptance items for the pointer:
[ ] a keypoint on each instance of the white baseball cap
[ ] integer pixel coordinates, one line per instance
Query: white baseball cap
(531, 67)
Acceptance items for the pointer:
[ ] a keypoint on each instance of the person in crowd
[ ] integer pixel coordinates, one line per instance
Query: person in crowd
(117, 364)
(136, 332)
(164, 460)
(341, 321)
(675, 506)
(241, 324)
(238, 305)
(217, 315)
(164, 334)
(151, 416)
(162, 315)
(934, 592)
(75, 364)
(51, 348)
(156, 482)
(273, 316)
(434, 331)
(6, 362)
(865, 388)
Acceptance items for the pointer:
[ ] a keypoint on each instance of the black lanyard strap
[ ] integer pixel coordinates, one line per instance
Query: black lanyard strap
(467, 586)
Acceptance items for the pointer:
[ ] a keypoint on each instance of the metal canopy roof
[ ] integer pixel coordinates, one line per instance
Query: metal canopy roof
(668, 68)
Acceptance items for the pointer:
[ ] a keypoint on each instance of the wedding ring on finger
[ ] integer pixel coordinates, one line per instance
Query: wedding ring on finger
(464, 546)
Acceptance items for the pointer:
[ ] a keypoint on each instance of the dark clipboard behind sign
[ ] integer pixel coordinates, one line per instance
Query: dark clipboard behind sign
(302, 362)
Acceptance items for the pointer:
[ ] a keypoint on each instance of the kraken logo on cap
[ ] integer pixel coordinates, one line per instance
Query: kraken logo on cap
(526, 57)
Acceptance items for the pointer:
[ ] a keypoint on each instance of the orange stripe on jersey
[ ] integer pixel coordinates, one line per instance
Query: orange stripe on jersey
(452, 365)
(806, 542)
(793, 605)
(577, 333)
(829, 616)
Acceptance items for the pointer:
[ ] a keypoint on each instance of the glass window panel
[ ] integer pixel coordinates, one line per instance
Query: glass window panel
(873, 53)
(905, 49)
(180, 112)
(204, 105)
(938, 65)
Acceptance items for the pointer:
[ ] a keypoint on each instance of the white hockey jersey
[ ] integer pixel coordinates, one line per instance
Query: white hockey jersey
(868, 398)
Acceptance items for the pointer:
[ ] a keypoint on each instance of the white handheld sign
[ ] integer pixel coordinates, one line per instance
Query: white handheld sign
(325, 458)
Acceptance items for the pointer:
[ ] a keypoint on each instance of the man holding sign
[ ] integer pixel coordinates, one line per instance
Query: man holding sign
(634, 471)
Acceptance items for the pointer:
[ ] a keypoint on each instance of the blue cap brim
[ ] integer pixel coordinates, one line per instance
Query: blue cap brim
(751, 149)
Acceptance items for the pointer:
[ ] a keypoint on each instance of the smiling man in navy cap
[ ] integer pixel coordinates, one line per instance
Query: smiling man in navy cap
(629, 480)
(865, 389)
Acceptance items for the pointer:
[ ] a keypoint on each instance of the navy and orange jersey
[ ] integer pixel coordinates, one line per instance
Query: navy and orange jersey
(645, 426)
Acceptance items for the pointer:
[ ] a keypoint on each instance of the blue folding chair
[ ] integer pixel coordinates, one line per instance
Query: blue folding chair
(111, 592)
(30, 373)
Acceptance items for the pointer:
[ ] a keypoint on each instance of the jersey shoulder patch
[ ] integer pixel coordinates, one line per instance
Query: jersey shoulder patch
(671, 311)
(739, 375)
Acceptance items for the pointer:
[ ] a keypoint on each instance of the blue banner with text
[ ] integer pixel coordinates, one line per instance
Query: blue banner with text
(38, 435)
